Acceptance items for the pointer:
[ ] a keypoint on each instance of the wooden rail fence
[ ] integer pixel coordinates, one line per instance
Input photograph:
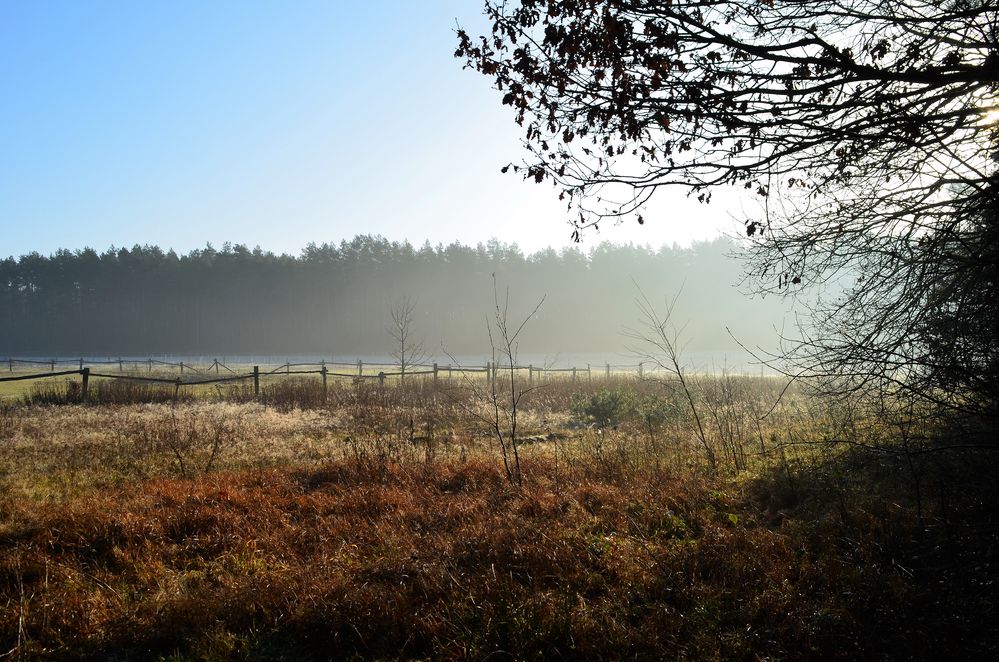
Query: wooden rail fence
(218, 366)
(492, 371)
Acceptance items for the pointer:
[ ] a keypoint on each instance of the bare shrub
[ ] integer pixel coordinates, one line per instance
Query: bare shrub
(107, 392)
(7, 422)
(196, 443)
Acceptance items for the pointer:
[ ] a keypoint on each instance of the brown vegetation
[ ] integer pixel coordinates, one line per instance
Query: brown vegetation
(380, 523)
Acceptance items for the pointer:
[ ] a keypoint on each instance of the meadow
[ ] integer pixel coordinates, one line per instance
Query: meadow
(381, 522)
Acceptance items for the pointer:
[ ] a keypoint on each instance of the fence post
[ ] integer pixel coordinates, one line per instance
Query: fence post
(182, 367)
(149, 366)
(216, 366)
(287, 367)
(607, 370)
(573, 374)
(10, 364)
(448, 373)
(530, 374)
(85, 385)
(323, 372)
(256, 380)
(52, 365)
(381, 379)
(641, 371)
(81, 364)
(176, 389)
(435, 374)
(360, 367)
(495, 370)
(121, 368)
(589, 373)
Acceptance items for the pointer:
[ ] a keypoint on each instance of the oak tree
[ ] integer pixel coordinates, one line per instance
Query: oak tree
(865, 129)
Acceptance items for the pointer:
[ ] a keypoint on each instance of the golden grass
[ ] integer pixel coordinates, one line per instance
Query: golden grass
(390, 560)
(380, 524)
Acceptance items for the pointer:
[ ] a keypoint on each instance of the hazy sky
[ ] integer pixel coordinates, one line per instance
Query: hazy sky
(181, 123)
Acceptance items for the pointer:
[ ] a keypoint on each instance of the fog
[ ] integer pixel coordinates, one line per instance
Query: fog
(334, 300)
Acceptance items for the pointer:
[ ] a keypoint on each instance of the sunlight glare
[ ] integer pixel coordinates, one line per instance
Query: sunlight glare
(990, 117)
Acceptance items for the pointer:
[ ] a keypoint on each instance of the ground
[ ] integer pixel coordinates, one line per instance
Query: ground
(382, 524)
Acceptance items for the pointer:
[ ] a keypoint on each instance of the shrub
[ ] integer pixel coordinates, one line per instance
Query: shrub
(654, 412)
(602, 408)
(106, 392)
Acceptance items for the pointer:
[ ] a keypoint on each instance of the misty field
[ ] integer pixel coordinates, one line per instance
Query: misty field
(380, 522)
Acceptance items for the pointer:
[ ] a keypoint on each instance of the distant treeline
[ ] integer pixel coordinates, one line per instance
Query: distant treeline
(335, 298)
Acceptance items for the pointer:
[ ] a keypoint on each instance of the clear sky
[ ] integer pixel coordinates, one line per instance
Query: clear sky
(266, 123)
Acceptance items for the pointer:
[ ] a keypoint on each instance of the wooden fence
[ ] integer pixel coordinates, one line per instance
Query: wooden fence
(203, 375)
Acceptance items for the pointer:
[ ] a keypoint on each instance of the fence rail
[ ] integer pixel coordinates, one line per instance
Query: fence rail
(20, 378)
(217, 364)
(203, 375)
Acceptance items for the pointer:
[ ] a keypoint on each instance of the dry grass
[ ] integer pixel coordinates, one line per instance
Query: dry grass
(387, 560)
(378, 523)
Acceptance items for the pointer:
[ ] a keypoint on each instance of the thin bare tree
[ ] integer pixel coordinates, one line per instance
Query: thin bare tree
(503, 393)
(506, 397)
(659, 344)
(408, 350)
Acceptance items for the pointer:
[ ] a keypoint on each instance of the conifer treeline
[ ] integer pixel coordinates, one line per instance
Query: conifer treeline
(335, 298)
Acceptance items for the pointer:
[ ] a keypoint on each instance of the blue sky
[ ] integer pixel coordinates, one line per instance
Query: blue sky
(271, 124)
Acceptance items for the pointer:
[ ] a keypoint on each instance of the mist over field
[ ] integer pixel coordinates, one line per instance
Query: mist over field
(499, 329)
(336, 299)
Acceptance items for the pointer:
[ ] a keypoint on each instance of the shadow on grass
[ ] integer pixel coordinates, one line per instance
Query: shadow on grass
(829, 560)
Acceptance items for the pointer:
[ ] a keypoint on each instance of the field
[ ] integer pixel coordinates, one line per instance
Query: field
(381, 522)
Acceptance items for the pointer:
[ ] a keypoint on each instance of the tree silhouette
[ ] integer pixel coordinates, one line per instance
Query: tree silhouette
(866, 130)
